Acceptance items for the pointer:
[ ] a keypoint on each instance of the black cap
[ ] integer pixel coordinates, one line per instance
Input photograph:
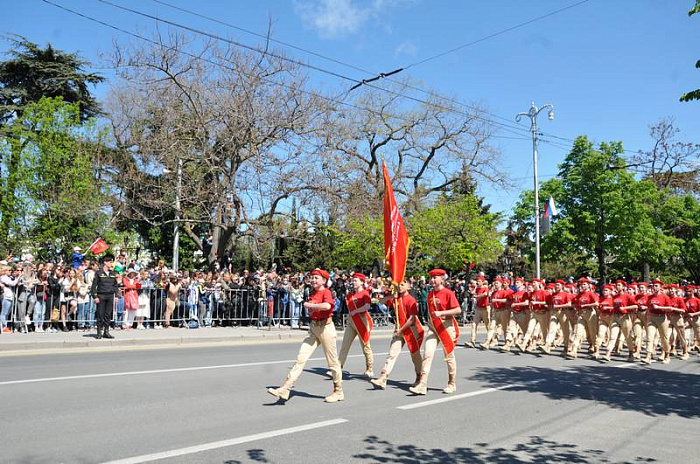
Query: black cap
(107, 257)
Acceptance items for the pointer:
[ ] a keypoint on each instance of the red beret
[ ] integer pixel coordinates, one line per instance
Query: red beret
(498, 279)
(442, 272)
(320, 272)
(634, 285)
(640, 284)
(620, 281)
(584, 280)
(657, 281)
(550, 285)
(608, 287)
(559, 281)
(359, 275)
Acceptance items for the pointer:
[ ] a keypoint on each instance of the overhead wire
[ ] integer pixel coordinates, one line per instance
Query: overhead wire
(331, 59)
(507, 127)
(222, 65)
(509, 124)
(496, 34)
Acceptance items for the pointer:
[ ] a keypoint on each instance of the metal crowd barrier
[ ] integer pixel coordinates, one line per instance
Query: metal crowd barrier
(207, 306)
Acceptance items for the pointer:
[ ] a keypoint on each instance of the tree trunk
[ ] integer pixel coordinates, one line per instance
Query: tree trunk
(645, 272)
(600, 254)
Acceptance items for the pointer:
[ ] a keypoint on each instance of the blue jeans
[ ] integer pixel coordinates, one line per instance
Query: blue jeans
(191, 310)
(39, 311)
(90, 316)
(82, 314)
(296, 311)
(6, 309)
(120, 312)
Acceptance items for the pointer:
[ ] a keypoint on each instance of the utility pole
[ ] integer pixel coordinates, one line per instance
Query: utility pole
(176, 238)
(532, 114)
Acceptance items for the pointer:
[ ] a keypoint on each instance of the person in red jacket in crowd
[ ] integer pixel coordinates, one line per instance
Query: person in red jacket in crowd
(321, 332)
(659, 305)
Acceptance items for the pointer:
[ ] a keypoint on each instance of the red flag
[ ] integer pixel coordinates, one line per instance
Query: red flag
(396, 239)
(98, 246)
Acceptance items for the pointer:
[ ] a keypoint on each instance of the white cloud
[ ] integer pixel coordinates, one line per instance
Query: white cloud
(336, 18)
(406, 47)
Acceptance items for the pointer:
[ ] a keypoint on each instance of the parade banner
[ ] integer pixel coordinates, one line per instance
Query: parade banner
(396, 239)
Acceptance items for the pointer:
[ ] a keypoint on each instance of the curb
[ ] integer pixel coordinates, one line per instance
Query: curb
(24, 347)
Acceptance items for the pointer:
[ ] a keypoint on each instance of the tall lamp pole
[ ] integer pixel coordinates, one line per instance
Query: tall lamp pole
(532, 114)
(176, 238)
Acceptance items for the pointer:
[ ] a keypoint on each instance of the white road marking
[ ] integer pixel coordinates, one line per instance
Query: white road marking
(225, 443)
(460, 396)
(623, 365)
(164, 371)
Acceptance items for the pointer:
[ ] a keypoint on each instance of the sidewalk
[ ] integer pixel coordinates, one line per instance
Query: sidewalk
(60, 341)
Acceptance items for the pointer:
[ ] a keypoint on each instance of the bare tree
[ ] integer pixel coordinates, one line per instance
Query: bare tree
(428, 147)
(239, 123)
(670, 163)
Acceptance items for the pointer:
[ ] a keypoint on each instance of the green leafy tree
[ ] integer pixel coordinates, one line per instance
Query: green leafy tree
(605, 212)
(680, 217)
(360, 245)
(453, 231)
(693, 94)
(31, 74)
(59, 192)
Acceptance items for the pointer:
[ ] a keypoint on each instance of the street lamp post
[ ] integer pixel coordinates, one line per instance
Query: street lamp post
(532, 114)
(176, 238)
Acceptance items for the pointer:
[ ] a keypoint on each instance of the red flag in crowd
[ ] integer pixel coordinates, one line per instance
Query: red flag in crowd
(98, 246)
(396, 239)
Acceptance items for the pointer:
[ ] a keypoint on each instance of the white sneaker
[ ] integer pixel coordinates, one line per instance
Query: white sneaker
(158, 326)
(39, 330)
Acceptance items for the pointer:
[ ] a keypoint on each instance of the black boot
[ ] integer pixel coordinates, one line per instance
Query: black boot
(99, 332)
(107, 334)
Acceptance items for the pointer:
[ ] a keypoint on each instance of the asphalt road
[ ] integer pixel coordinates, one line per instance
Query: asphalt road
(209, 404)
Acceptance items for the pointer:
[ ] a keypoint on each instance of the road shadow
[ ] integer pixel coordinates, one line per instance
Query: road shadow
(537, 450)
(255, 455)
(653, 392)
(292, 394)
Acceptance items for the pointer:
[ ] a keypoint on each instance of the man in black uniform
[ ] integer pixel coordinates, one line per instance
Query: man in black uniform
(104, 287)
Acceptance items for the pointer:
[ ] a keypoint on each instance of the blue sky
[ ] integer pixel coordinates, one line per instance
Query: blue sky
(611, 68)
